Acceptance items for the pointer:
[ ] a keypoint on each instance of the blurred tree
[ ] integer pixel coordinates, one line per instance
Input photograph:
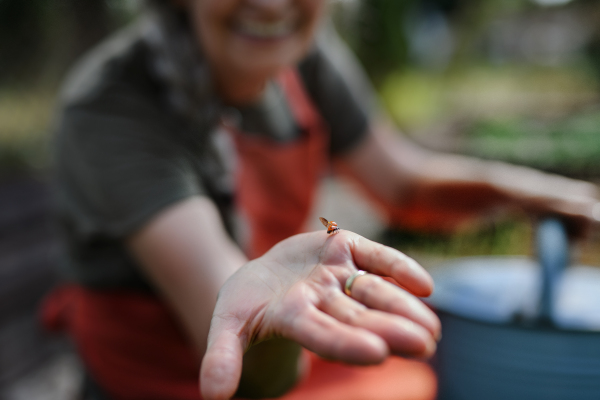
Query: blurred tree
(21, 27)
(593, 48)
(380, 40)
(385, 33)
(40, 38)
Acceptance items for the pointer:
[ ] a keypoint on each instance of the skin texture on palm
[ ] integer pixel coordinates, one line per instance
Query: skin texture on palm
(295, 291)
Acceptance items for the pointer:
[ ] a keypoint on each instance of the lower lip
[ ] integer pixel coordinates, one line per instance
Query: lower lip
(263, 39)
(257, 38)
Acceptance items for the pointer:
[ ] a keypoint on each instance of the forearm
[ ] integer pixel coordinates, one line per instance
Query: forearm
(459, 182)
(402, 174)
(187, 255)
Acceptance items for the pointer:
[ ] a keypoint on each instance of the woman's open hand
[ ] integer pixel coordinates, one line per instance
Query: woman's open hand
(296, 291)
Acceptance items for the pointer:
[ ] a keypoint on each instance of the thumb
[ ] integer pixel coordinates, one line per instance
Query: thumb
(222, 364)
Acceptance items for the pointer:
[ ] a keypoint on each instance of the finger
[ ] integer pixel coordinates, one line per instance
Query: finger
(374, 292)
(330, 338)
(382, 260)
(222, 364)
(403, 336)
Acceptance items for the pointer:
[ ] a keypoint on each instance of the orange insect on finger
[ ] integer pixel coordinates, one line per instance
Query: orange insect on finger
(331, 225)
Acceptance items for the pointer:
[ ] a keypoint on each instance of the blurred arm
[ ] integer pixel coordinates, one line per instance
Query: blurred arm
(401, 173)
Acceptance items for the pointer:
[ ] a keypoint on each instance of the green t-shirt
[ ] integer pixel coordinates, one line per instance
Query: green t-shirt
(123, 152)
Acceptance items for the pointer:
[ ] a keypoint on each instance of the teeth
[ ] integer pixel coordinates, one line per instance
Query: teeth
(265, 30)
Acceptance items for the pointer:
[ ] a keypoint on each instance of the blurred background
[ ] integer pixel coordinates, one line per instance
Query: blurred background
(513, 80)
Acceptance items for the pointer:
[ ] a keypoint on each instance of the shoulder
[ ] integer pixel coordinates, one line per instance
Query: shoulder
(118, 58)
(111, 94)
(339, 89)
(331, 69)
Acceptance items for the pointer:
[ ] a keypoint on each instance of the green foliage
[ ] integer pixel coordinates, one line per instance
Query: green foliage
(379, 35)
(22, 157)
(40, 38)
(24, 126)
(570, 146)
(507, 237)
(21, 28)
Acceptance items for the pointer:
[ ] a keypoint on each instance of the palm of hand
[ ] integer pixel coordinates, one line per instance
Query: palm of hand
(296, 291)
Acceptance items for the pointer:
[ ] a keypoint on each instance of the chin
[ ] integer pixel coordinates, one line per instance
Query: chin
(263, 66)
(261, 56)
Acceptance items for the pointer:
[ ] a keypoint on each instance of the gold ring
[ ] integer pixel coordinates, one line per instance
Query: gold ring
(350, 281)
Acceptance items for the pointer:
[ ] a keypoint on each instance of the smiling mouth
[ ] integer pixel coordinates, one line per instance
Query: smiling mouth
(265, 30)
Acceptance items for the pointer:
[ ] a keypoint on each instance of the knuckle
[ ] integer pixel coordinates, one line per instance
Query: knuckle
(400, 264)
(355, 315)
(378, 252)
(393, 304)
(366, 287)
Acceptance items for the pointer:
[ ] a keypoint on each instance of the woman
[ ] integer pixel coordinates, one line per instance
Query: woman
(157, 222)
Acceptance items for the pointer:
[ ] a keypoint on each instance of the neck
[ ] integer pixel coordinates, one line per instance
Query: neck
(238, 88)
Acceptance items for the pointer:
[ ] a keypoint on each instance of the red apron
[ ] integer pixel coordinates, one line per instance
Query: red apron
(132, 344)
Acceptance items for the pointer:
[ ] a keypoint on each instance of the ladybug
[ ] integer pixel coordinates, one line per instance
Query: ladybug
(331, 226)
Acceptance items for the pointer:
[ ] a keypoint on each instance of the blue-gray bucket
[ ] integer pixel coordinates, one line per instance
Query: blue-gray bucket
(514, 328)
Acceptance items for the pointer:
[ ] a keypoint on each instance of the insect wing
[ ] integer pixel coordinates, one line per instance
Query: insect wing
(324, 221)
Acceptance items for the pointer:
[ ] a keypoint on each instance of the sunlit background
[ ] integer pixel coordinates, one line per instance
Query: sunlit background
(513, 80)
